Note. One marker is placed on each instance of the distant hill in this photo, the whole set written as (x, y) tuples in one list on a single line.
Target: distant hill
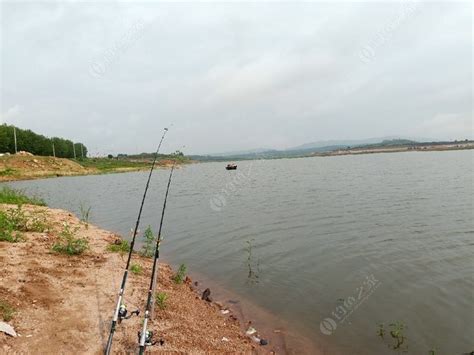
[(315, 148)]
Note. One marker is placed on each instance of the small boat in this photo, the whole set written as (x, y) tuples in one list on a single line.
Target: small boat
[(231, 167)]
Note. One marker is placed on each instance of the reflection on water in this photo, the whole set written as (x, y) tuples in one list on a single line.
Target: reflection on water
[(319, 228)]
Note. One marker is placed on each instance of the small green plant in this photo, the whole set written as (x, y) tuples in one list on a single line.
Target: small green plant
[(179, 277), (136, 269), (85, 214), (68, 242), (397, 334), (432, 352), (161, 299), (18, 197), (119, 246), (38, 222), (18, 218), (397, 337), (7, 229), (6, 311), (148, 243)]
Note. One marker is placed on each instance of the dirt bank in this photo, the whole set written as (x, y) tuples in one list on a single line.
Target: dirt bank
[(63, 304), (24, 167)]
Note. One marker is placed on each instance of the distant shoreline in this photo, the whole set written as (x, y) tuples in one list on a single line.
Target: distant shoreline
[(418, 147), (398, 149)]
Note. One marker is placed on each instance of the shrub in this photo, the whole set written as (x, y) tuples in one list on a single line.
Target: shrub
[(68, 242), (18, 197), (6, 311), (136, 269), (161, 299), (180, 275)]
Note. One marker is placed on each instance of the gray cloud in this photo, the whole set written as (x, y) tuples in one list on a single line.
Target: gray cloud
[(236, 76)]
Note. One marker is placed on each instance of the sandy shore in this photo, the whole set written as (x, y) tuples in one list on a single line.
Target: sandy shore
[(63, 304)]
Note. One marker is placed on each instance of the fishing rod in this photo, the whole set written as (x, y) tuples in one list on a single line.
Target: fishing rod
[(120, 309), (145, 336)]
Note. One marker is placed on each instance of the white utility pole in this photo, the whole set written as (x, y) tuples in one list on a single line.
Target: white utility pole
[(74, 149), (54, 151), (82, 151), (14, 135)]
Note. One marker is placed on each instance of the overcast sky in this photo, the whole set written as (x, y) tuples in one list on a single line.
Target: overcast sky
[(236, 76)]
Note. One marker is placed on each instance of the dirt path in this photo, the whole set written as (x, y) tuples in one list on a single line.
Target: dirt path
[(63, 304)]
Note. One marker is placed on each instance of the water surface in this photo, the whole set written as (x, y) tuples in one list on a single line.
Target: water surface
[(378, 238)]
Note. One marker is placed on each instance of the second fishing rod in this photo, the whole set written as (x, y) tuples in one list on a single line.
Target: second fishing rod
[(146, 336), (120, 310)]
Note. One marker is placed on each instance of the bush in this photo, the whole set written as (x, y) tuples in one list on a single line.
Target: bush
[(136, 269), (18, 197), (161, 299), (180, 275), (68, 242)]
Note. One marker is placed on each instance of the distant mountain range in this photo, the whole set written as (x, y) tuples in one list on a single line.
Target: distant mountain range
[(308, 148)]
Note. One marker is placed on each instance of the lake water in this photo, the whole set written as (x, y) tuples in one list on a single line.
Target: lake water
[(378, 238)]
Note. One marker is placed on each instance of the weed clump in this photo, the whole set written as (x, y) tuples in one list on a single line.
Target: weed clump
[(136, 269), (68, 242), (18, 197), (161, 300), (6, 311), (119, 246), (148, 244), (179, 277)]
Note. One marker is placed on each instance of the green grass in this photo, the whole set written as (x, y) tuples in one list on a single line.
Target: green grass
[(18, 197), (136, 269), (180, 275), (122, 247), (105, 164), (161, 299), (8, 172), (6, 311), (69, 243), (13, 221)]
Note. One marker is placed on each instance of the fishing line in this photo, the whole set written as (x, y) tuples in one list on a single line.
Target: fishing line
[(120, 309)]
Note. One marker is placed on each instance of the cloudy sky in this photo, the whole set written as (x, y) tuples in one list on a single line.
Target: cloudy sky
[(236, 76)]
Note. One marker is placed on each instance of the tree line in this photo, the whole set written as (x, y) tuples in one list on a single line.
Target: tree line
[(38, 144)]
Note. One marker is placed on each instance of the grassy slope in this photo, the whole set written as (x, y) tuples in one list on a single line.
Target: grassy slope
[(17, 197)]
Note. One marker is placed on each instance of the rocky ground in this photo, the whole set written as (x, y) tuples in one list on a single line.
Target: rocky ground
[(64, 304)]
